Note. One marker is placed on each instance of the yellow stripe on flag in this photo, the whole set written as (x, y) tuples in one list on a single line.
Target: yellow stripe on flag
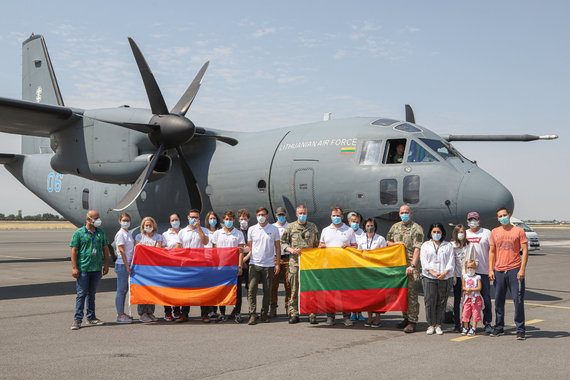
[(329, 258)]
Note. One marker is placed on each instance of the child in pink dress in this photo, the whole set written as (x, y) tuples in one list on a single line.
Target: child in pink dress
[(472, 301)]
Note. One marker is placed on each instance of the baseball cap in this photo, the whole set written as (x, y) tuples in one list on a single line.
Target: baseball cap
[(473, 215), (281, 211)]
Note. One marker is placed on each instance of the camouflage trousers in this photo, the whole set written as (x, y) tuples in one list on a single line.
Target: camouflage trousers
[(413, 304), (294, 283)]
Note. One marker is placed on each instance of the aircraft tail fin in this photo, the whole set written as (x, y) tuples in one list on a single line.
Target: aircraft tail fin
[(39, 85)]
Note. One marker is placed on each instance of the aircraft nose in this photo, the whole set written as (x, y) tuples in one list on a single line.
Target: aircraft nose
[(481, 192)]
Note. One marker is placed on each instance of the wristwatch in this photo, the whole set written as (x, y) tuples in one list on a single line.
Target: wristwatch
[(413, 265)]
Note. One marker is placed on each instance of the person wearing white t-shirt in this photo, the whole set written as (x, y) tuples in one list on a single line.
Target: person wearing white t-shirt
[(171, 239), (125, 250), (226, 237), (369, 241), (480, 239), (281, 215), (354, 223), (149, 236), (212, 223), (339, 235), (195, 236), (264, 241)]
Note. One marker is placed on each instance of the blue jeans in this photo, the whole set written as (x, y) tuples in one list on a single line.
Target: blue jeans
[(508, 280), (122, 287), (486, 295), (86, 286)]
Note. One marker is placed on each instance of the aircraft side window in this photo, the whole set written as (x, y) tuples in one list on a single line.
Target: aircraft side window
[(370, 154), (388, 191), (394, 151), (418, 153), (85, 199), (411, 189)]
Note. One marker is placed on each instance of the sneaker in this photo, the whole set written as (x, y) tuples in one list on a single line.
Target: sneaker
[(176, 315), (361, 317), (95, 322), (464, 331), (168, 317), (313, 319), (252, 320), (498, 332), (330, 321), (237, 318), (521, 336), (402, 324), (471, 332), (181, 318), (353, 317), (152, 317), (410, 328), (76, 325), (367, 324), (348, 322), (145, 318), (438, 330), (376, 325), (294, 319), (123, 318), (265, 318), (430, 330), (221, 318), (205, 319), (488, 329)]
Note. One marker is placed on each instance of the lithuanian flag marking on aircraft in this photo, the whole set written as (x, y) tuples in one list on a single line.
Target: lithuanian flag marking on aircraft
[(184, 276), (348, 150), (351, 280)]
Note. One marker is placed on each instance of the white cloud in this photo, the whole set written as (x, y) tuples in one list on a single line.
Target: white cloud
[(262, 32)]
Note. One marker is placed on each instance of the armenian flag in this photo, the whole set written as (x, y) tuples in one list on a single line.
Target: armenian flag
[(348, 150), (350, 280), (184, 276)]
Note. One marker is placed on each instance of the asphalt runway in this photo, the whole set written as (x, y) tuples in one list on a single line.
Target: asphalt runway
[(37, 297)]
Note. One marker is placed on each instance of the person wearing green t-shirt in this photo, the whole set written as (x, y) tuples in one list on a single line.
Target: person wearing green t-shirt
[(89, 255)]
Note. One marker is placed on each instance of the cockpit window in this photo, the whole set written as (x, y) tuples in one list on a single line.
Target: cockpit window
[(418, 153), (370, 154), (437, 146), (384, 122), (406, 127), (394, 151)]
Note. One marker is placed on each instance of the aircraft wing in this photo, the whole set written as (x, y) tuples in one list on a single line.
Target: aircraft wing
[(34, 119)]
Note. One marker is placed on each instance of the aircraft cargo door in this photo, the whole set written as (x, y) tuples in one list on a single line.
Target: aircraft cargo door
[(304, 188)]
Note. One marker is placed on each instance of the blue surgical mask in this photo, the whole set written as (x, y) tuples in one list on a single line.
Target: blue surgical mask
[(281, 219), (213, 222), (504, 220), (405, 217), (192, 221), (436, 237), (125, 225), (354, 226), (228, 223), (302, 218), (336, 219), (175, 224)]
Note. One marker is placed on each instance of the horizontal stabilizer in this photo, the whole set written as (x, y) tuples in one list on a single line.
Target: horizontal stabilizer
[(34, 119)]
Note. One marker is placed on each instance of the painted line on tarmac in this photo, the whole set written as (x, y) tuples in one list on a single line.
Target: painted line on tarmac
[(20, 257), (463, 338), (552, 306)]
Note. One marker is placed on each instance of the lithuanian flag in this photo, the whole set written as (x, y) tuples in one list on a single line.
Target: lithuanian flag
[(184, 276), (348, 150), (350, 280)]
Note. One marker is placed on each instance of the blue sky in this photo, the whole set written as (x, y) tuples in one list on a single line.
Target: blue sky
[(466, 67)]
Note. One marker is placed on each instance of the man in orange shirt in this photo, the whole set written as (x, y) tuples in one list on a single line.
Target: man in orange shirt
[(507, 269)]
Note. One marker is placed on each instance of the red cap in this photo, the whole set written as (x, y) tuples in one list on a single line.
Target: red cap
[(473, 215)]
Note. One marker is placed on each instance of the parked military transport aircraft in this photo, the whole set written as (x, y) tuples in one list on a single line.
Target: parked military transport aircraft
[(156, 162)]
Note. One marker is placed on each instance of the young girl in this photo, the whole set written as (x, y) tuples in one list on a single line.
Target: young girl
[(472, 300), (148, 236), (125, 250), (463, 251)]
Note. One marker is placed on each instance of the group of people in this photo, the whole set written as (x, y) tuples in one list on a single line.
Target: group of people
[(467, 263)]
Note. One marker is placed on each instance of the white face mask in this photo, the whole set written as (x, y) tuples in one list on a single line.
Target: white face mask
[(97, 222), (243, 224), (148, 229), (261, 219), (125, 225), (473, 223), (471, 272), (460, 236)]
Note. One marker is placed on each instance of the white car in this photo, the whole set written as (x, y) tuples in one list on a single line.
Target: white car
[(531, 236)]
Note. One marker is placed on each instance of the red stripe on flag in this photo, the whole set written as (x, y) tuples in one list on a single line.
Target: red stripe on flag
[(331, 301), (186, 257)]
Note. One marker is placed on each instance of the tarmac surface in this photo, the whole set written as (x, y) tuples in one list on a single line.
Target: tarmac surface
[(37, 297)]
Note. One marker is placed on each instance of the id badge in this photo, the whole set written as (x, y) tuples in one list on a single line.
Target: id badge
[(94, 251), (437, 261)]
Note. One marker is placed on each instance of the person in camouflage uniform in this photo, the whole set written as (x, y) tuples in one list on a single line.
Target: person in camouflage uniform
[(412, 236), (298, 235)]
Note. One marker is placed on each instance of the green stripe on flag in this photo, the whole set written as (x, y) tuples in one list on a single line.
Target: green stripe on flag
[(353, 278)]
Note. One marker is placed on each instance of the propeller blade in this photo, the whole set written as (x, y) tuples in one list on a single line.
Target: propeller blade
[(201, 132), (140, 127), (137, 187), (157, 104), (186, 100), (410, 118), (191, 183)]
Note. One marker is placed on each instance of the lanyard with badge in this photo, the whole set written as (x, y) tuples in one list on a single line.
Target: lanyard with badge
[(93, 237), (368, 245), (436, 261)]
